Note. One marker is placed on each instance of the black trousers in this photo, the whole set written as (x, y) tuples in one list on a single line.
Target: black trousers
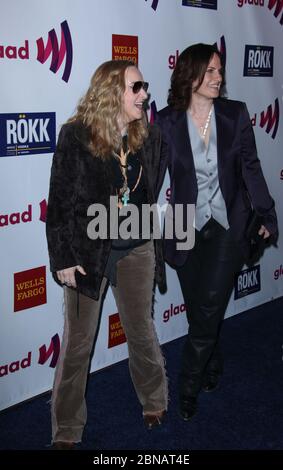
[(206, 280)]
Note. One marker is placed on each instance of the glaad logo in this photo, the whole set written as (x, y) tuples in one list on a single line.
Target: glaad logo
[(43, 210), (269, 119), (278, 273), (172, 59), (173, 311), (247, 282), (278, 4), (53, 349), (58, 54), (27, 134), (258, 61), (154, 4), (15, 366), (15, 218), (65, 51), (211, 4)]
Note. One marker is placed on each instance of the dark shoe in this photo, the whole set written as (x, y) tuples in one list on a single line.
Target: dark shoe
[(188, 408), (153, 420), (63, 445), (210, 382)]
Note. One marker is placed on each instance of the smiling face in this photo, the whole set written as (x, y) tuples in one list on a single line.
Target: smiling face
[(132, 106), (212, 80)]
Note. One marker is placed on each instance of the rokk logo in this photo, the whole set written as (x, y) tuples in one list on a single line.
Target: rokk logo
[(29, 288), (259, 3), (258, 61), (59, 53), (173, 311), (65, 51), (125, 47), (116, 334), (27, 134), (247, 282), (211, 4), (269, 119), (53, 350)]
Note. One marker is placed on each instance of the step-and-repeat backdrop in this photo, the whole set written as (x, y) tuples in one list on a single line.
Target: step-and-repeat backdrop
[(48, 52)]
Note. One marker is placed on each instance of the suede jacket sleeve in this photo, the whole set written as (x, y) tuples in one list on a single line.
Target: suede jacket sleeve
[(61, 202)]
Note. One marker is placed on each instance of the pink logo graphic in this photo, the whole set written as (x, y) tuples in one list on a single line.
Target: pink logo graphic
[(58, 54), (54, 350), (270, 118), (153, 112), (43, 210), (278, 4), (154, 4)]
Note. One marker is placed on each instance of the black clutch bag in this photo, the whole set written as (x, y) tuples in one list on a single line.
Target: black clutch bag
[(256, 241)]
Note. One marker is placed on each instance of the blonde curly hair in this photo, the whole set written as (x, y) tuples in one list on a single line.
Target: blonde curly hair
[(100, 109)]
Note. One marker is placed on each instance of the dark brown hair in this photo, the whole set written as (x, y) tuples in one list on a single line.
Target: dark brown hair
[(191, 65)]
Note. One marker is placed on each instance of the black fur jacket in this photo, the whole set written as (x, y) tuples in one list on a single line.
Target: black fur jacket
[(78, 179)]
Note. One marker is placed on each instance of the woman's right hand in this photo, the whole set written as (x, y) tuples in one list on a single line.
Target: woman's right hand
[(67, 276)]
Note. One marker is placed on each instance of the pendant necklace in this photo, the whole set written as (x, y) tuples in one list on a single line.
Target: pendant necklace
[(203, 129), (124, 193)]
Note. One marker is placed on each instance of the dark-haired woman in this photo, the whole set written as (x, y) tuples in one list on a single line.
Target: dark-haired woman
[(106, 150), (213, 164)]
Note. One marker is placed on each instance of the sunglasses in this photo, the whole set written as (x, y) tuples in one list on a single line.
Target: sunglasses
[(137, 86)]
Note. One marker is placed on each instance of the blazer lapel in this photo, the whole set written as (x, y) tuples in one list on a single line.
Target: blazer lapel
[(181, 139), (224, 130)]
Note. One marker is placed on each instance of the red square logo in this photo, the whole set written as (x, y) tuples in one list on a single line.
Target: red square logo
[(116, 333), (125, 48), (29, 288)]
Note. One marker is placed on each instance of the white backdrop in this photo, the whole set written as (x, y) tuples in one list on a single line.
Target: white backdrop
[(41, 83)]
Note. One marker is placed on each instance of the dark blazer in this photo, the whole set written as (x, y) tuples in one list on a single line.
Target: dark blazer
[(78, 179), (240, 175)]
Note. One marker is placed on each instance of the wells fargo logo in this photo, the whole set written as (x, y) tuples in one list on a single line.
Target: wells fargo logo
[(125, 47), (59, 53), (269, 119), (29, 288), (116, 334)]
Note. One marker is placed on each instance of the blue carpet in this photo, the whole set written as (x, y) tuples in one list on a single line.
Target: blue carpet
[(245, 412)]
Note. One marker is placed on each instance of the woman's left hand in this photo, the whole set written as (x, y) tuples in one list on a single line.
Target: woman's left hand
[(264, 232)]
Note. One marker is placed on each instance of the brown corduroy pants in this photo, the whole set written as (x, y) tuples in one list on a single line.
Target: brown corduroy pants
[(133, 295)]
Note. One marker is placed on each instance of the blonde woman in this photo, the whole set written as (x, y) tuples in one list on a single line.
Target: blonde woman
[(105, 150)]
